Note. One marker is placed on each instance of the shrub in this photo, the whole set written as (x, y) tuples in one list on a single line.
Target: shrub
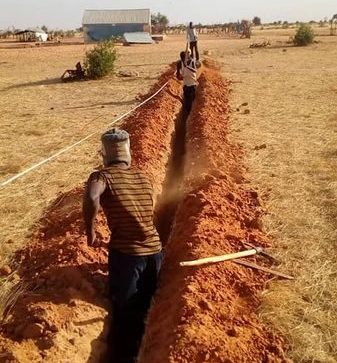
[(304, 35), (100, 61)]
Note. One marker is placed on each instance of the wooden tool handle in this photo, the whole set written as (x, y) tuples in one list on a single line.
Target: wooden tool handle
[(207, 260), (264, 269)]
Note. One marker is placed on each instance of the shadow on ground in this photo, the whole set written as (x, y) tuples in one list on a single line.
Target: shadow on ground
[(43, 82)]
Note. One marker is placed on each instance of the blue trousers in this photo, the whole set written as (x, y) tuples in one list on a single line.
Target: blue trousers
[(132, 283)]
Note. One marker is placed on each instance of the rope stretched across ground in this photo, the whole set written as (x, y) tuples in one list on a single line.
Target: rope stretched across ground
[(45, 161)]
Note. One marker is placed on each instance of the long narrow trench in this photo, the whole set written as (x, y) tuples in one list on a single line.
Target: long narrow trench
[(206, 314), (172, 188)]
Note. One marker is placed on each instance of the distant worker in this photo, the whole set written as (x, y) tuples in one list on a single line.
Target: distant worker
[(246, 29), (73, 74), (192, 37), (126, 197), (187, 72)]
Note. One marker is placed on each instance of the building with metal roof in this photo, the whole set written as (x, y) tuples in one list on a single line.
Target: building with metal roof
[(101, 25), (31, 35)]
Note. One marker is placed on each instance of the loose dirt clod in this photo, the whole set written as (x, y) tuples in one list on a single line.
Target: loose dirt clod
[(33, 331), (5, 270), (260, 147)]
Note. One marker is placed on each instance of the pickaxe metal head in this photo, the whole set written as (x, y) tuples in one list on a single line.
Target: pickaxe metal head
[(262, 252)]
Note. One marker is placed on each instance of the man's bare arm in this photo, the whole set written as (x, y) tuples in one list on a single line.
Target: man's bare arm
[(91, 203), (179, 69)]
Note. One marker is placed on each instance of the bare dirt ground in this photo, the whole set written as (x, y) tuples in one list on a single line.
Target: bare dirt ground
[(287, 131)]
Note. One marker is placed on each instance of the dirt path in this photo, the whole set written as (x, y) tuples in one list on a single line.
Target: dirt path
[(204, 314)]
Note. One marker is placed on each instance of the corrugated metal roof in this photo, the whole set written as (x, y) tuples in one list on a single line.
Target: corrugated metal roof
[(36, 30), (31, 30), (133, 16), (138, 38)]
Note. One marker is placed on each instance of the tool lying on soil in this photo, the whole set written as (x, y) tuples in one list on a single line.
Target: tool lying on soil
[(235, 257), (223, 258), (264, 269)]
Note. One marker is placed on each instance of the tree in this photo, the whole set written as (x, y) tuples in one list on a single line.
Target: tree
[(159, 21), (44, 28), (257, 20)]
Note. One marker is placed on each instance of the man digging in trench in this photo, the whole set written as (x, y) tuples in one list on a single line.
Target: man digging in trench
[(126, 197), (187, 72)]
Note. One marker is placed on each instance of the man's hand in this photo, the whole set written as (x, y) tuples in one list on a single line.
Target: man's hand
[(91, 238), (93, 241), (95, 187)]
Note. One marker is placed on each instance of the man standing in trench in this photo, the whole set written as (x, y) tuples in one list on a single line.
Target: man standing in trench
[(187, 72), (192, 37), (126, 197)]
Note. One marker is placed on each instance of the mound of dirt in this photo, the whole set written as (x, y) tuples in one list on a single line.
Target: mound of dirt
[(210, 313)]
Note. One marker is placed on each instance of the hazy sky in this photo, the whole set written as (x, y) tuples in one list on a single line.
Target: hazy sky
[(67, 14)]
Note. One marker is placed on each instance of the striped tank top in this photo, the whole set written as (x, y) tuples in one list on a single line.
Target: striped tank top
[(128, 205)]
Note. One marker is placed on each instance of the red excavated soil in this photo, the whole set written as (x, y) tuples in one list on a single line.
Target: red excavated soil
[(61, 315), (209, 313)]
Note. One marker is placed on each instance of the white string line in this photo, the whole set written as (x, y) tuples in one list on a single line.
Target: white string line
[(26, 171)]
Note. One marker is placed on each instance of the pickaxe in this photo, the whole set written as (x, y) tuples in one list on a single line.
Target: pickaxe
[(264, 253), (231, 256), (235, 257)]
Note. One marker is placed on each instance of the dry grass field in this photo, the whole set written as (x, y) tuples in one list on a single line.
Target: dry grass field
[(40, 115), (289, 136)]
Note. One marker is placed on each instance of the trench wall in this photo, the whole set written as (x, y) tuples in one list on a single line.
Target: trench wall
[(209, 313)]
